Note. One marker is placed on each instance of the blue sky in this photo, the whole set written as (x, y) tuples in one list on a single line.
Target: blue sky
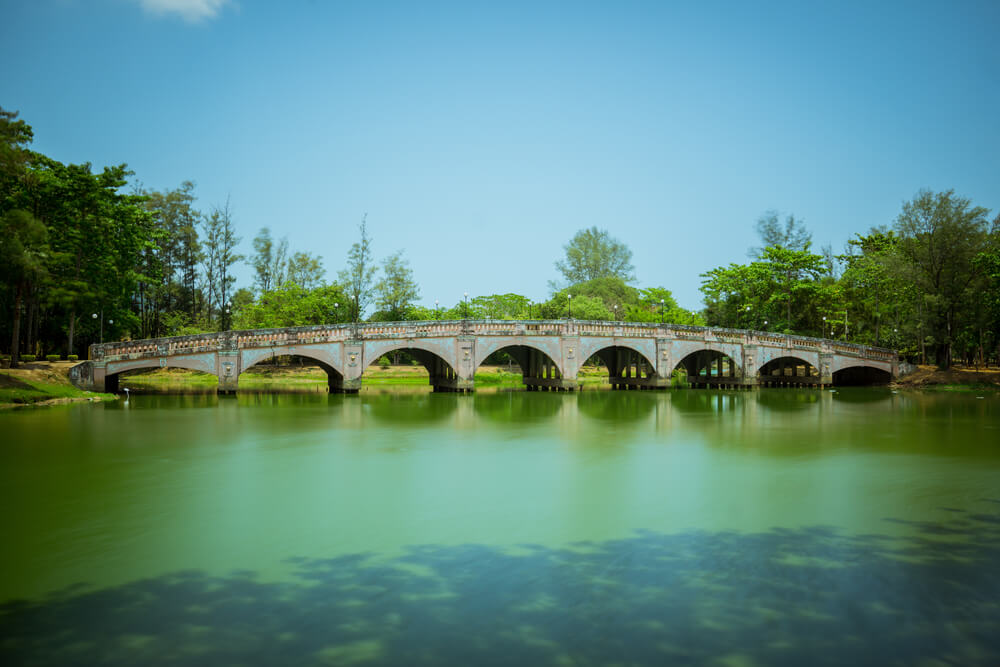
[(479, 137)]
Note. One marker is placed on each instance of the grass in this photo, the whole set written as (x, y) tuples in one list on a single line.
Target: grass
[(17, 389)]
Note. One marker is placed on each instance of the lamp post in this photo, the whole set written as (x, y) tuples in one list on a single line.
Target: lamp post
[(336, 312), (94, 316), (747, 311), (661, 310), (616, 312), (465, 303), (569, 303), (437, 312), (824, 326), (765, 325)]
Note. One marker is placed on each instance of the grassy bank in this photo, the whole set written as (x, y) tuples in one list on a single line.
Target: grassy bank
[(41, 383), (306, 378), (955, 379)]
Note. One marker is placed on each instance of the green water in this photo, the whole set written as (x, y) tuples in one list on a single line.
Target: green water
[(695, 527)]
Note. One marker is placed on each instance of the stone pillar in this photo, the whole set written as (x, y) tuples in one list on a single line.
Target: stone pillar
[(353, 364), (750, 359), (465, 369), (227, 368), (825, 364)]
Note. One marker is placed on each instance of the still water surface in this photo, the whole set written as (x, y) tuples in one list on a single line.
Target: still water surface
[(744, 528)]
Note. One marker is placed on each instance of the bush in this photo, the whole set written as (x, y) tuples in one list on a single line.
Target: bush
[(383, 362), (52, 357), (72, 357), (27, 357)]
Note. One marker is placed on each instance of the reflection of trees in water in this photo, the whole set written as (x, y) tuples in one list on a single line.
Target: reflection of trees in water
[(407, 408), (804, 596), (861, 394), (693, 401), (626, 408), (518, 406), (788, 400)]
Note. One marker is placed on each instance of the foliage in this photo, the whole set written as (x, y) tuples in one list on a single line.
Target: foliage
[(359, 276), (268, 261), (306, 270), (792, 235), (291, 306), (396, 291), (593, 253)]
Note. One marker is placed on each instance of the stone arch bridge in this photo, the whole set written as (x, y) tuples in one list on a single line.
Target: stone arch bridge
[(549, 352)]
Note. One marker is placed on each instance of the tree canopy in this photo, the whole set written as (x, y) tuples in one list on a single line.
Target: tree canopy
[(592, 254)]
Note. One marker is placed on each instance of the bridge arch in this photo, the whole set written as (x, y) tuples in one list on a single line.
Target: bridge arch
[(861, 375), (334, 378), (629, 367), (788, 370), (321, 356), (115, 370), (709, 367), (435, 358), (539, 370)]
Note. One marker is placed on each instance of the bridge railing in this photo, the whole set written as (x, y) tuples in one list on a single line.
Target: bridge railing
[(280, 337)]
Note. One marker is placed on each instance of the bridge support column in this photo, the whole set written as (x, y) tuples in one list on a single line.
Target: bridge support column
[(353, 364), (227, 367), (750, 358), (825, 372)]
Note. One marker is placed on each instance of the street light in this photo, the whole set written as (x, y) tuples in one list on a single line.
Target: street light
[(824, 326), (94, 316), (466, 304), (661, 310), (336, 312), (437, 314), (569, 302), (616, 312)]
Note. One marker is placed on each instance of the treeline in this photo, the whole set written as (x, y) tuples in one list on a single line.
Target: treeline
[(83, 257), (928, 285)]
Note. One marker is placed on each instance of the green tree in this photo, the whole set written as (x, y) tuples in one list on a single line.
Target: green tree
[(359, 277), (940, 235), (306, 270), (269, 261), (289, 306), (220, 257), (397, 290), (593, 253), (790, 235)]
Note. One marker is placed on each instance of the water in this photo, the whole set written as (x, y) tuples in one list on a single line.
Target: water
[(743, 528)]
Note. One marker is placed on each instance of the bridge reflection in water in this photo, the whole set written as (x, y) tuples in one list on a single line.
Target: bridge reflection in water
[(549, 352)]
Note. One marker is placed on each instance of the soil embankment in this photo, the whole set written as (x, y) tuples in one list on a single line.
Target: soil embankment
[(956, 378), (42, 383)]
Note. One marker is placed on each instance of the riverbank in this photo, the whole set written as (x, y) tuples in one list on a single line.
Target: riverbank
[(40, 384), (956, 378)]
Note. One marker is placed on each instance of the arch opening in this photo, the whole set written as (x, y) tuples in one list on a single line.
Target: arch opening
[(439, 373), (539, 372), (788, 371), (709, 368), (161, 380), (861, 376), (291, 373), (629, 369)]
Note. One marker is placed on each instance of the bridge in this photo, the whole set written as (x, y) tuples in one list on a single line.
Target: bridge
[(549, 352)]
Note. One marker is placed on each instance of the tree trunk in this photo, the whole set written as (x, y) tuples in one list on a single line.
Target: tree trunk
[(72, 331), (15, 339)]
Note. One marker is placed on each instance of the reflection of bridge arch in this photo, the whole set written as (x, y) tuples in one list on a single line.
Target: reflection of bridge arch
[(711, 368), (787, 371), (115, 370)]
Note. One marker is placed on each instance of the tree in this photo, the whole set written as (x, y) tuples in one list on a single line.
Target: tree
[(397, 290), (306, 270), (289, 305), (792, 235), (269, 261), (940, 235), (359, 276), (23, 249), (219, 258), (593, 253)]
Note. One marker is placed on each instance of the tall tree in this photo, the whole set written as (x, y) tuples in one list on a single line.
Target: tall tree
[(359, 276), (219, 258), (397, 290), (593, 253), (306, 270), (940, 236), (269, 261), (790, 235)]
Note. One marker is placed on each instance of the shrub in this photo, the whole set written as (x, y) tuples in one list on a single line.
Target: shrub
[(51, 357), (383, 362), (72, 357), (27, 357)]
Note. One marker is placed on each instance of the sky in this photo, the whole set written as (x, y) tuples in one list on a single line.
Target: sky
[(479, 137)]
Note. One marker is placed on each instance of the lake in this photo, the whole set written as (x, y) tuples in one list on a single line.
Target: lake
[(767, 527)]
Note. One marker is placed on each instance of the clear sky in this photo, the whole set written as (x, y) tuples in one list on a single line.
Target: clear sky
[(479, 137)]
